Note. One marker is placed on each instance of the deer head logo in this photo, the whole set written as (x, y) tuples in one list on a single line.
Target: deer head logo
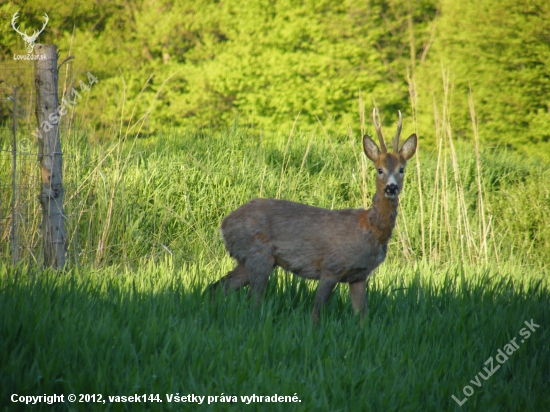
[(30, 40)]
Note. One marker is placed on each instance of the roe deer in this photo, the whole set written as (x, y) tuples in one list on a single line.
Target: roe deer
[(327, 245)]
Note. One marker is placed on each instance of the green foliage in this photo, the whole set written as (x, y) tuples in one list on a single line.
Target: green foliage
[(202, 63), (267, 61), (501, 51)]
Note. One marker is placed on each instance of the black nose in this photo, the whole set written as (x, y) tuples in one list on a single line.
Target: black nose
[(391, 189)]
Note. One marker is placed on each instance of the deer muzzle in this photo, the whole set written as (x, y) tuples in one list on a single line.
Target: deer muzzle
[(391, 190)]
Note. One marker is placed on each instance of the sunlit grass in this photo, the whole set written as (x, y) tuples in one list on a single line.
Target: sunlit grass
[(167, 195)]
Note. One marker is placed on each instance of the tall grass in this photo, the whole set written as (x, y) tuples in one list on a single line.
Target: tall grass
[(166, 195)]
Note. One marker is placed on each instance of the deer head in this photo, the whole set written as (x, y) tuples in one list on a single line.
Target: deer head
[(30, 40), (390, 167)]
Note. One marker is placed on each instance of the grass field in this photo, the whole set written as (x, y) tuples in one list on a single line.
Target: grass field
[(466, 268), (428, 334)]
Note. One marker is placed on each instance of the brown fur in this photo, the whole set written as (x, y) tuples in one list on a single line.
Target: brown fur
[(331, 246)]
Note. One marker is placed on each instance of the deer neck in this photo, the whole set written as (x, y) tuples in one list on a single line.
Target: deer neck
[(382, 217)]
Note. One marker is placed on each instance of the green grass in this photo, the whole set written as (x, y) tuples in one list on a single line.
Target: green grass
[(429, 332), (465, 269), (167, 196)]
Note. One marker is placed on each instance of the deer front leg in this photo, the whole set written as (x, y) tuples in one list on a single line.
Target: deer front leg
[(358, 296), (325, 288), (259, 266)]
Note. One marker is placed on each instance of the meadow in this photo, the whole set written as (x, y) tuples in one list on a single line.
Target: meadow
[(467, 267), (194, 115)]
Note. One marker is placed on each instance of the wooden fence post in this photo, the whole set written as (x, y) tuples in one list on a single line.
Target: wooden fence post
[(50, 156)]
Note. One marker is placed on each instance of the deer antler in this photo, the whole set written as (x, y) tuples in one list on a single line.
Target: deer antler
[(37, 33), (378, 128), (13, 20), (396, 139), (44, 25), (32, 38)]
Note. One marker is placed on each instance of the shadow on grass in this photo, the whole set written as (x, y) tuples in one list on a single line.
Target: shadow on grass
[(427, 337)]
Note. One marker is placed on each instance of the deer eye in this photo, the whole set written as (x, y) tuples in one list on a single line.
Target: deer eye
[(380, 171), (401, 170)]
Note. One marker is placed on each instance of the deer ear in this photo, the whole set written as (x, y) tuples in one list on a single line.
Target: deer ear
[(371, 150), (409, 147)]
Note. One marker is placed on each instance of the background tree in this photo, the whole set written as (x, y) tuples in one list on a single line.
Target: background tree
[(202, 63)]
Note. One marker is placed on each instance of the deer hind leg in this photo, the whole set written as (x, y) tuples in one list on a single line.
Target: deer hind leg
[(259, 266), (235, 279)]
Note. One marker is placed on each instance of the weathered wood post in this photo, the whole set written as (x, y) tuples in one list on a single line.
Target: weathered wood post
[(50, 156)]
